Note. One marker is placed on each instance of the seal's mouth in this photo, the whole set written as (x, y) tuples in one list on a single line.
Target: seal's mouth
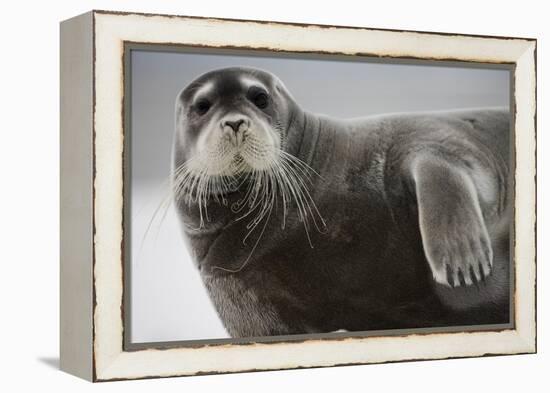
[(263, 179), (237, 140)]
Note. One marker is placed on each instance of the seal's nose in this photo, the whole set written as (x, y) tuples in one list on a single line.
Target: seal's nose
[(234, 124)]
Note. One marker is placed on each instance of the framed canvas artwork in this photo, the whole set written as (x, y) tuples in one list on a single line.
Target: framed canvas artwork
[(247, 195)]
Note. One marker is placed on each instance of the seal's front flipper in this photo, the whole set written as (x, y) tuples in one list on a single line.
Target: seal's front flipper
[(454, 235)]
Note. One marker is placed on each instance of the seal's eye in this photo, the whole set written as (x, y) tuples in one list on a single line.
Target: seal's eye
[(259, 98), (203, 106)]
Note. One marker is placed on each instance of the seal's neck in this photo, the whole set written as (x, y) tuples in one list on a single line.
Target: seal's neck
[(303, 132)]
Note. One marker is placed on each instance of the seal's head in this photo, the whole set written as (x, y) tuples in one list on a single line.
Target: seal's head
[(232, 120), (232, 134)]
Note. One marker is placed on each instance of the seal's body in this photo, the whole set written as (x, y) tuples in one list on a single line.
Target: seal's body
[(415, 206)]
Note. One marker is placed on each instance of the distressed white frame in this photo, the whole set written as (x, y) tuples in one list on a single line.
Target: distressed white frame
[(111, 30)]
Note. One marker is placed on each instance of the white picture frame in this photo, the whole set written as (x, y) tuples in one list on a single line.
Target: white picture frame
[(92, 195)]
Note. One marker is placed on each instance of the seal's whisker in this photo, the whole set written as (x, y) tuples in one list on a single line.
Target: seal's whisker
[(282, 178), (196, 184), (299, 162), (240, 268), (291, 159), (304, 171), (309, 199), (163, 205), (300, 201), (171, 184), (269, 197), (305, 202), (282, 186), (241, 203), (165, 200)]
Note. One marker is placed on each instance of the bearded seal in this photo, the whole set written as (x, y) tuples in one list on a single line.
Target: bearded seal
[(301, 223)]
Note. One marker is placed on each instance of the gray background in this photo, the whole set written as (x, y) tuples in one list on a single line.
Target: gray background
[(168, 301)]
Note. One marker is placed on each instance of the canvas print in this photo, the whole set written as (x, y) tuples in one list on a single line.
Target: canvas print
[(280, 196)]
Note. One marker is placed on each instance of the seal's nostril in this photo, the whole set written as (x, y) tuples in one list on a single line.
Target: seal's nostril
[(235, 125)]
